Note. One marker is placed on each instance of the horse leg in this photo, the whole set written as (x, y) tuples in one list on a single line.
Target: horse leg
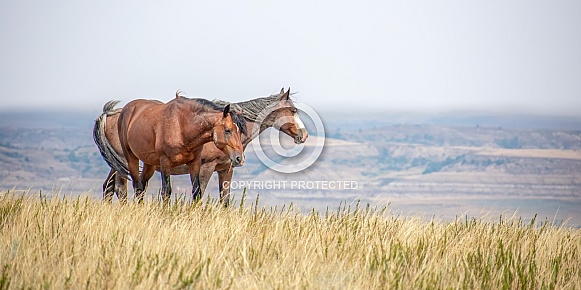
[(225, 177), (146, 174), (194, 166), (121, 188), (206, 171), (166, 188), (165, 169), (109, 187), (133, 166)]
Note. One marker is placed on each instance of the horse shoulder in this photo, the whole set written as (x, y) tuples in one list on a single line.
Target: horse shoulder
[(170, 132)]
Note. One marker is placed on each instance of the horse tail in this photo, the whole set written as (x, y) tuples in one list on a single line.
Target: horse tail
[(109, 108), (114, 160)]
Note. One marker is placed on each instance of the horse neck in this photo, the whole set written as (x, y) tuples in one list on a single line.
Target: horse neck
[(250, 111), (254, 129), (203, 125)]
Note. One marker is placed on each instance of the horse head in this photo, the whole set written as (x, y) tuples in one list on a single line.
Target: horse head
[(227, 135), (285, 117)]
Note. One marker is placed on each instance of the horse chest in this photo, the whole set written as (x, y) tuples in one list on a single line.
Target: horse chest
[(180, 154), (223, 164), (181, 158)]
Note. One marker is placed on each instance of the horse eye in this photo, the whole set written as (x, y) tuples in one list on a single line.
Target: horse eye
[(228, 131)]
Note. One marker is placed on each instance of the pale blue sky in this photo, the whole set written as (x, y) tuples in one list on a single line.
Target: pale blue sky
[(507, 56)]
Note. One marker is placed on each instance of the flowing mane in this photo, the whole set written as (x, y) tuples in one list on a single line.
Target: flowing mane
[(255, 109)]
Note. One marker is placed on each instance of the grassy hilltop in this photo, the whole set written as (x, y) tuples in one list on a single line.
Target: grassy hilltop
[(60, 243)]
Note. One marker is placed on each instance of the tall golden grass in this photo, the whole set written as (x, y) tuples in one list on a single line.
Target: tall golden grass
[(66, 243)]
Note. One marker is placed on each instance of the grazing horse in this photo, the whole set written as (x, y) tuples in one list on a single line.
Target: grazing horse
[(276, 111), (168, 135)]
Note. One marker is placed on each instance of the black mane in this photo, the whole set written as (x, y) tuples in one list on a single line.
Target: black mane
[(239, 120), (236, 118)]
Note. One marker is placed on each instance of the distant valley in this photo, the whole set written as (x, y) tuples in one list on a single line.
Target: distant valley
[(431, 169)]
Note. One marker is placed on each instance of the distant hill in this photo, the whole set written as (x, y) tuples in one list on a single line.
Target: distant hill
[(332, 119), (413, 165)]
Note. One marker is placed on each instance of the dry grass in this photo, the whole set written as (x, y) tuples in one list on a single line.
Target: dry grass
[(60, 243)]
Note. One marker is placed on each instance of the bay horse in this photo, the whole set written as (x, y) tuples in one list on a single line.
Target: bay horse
[(276, 111), (169, 135)]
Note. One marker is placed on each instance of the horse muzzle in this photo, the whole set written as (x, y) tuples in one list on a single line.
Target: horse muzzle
[(237, 160), (301, 137)]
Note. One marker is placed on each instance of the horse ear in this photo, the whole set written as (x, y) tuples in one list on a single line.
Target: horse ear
[(226, 110), (285, 96), (281, 91)]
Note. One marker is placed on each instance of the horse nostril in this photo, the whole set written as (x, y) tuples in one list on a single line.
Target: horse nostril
[(238, 159)]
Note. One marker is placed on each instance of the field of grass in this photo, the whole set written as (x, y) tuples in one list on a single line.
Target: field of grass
[(66, 243)]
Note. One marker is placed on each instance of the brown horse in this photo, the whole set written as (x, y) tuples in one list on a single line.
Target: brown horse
[(276, 111), (273, 111), (169, 135)]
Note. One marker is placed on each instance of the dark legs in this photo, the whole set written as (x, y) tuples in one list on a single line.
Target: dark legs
[(166, 187), (133, 166), (140, 185), (224, 178), (194, 166), (165, 168), (196, 189), (206, 171)]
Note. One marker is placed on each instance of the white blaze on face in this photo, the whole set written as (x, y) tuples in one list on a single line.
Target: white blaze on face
[(298, 121)]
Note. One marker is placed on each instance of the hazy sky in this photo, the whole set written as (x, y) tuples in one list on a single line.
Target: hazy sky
[(515, 56)]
